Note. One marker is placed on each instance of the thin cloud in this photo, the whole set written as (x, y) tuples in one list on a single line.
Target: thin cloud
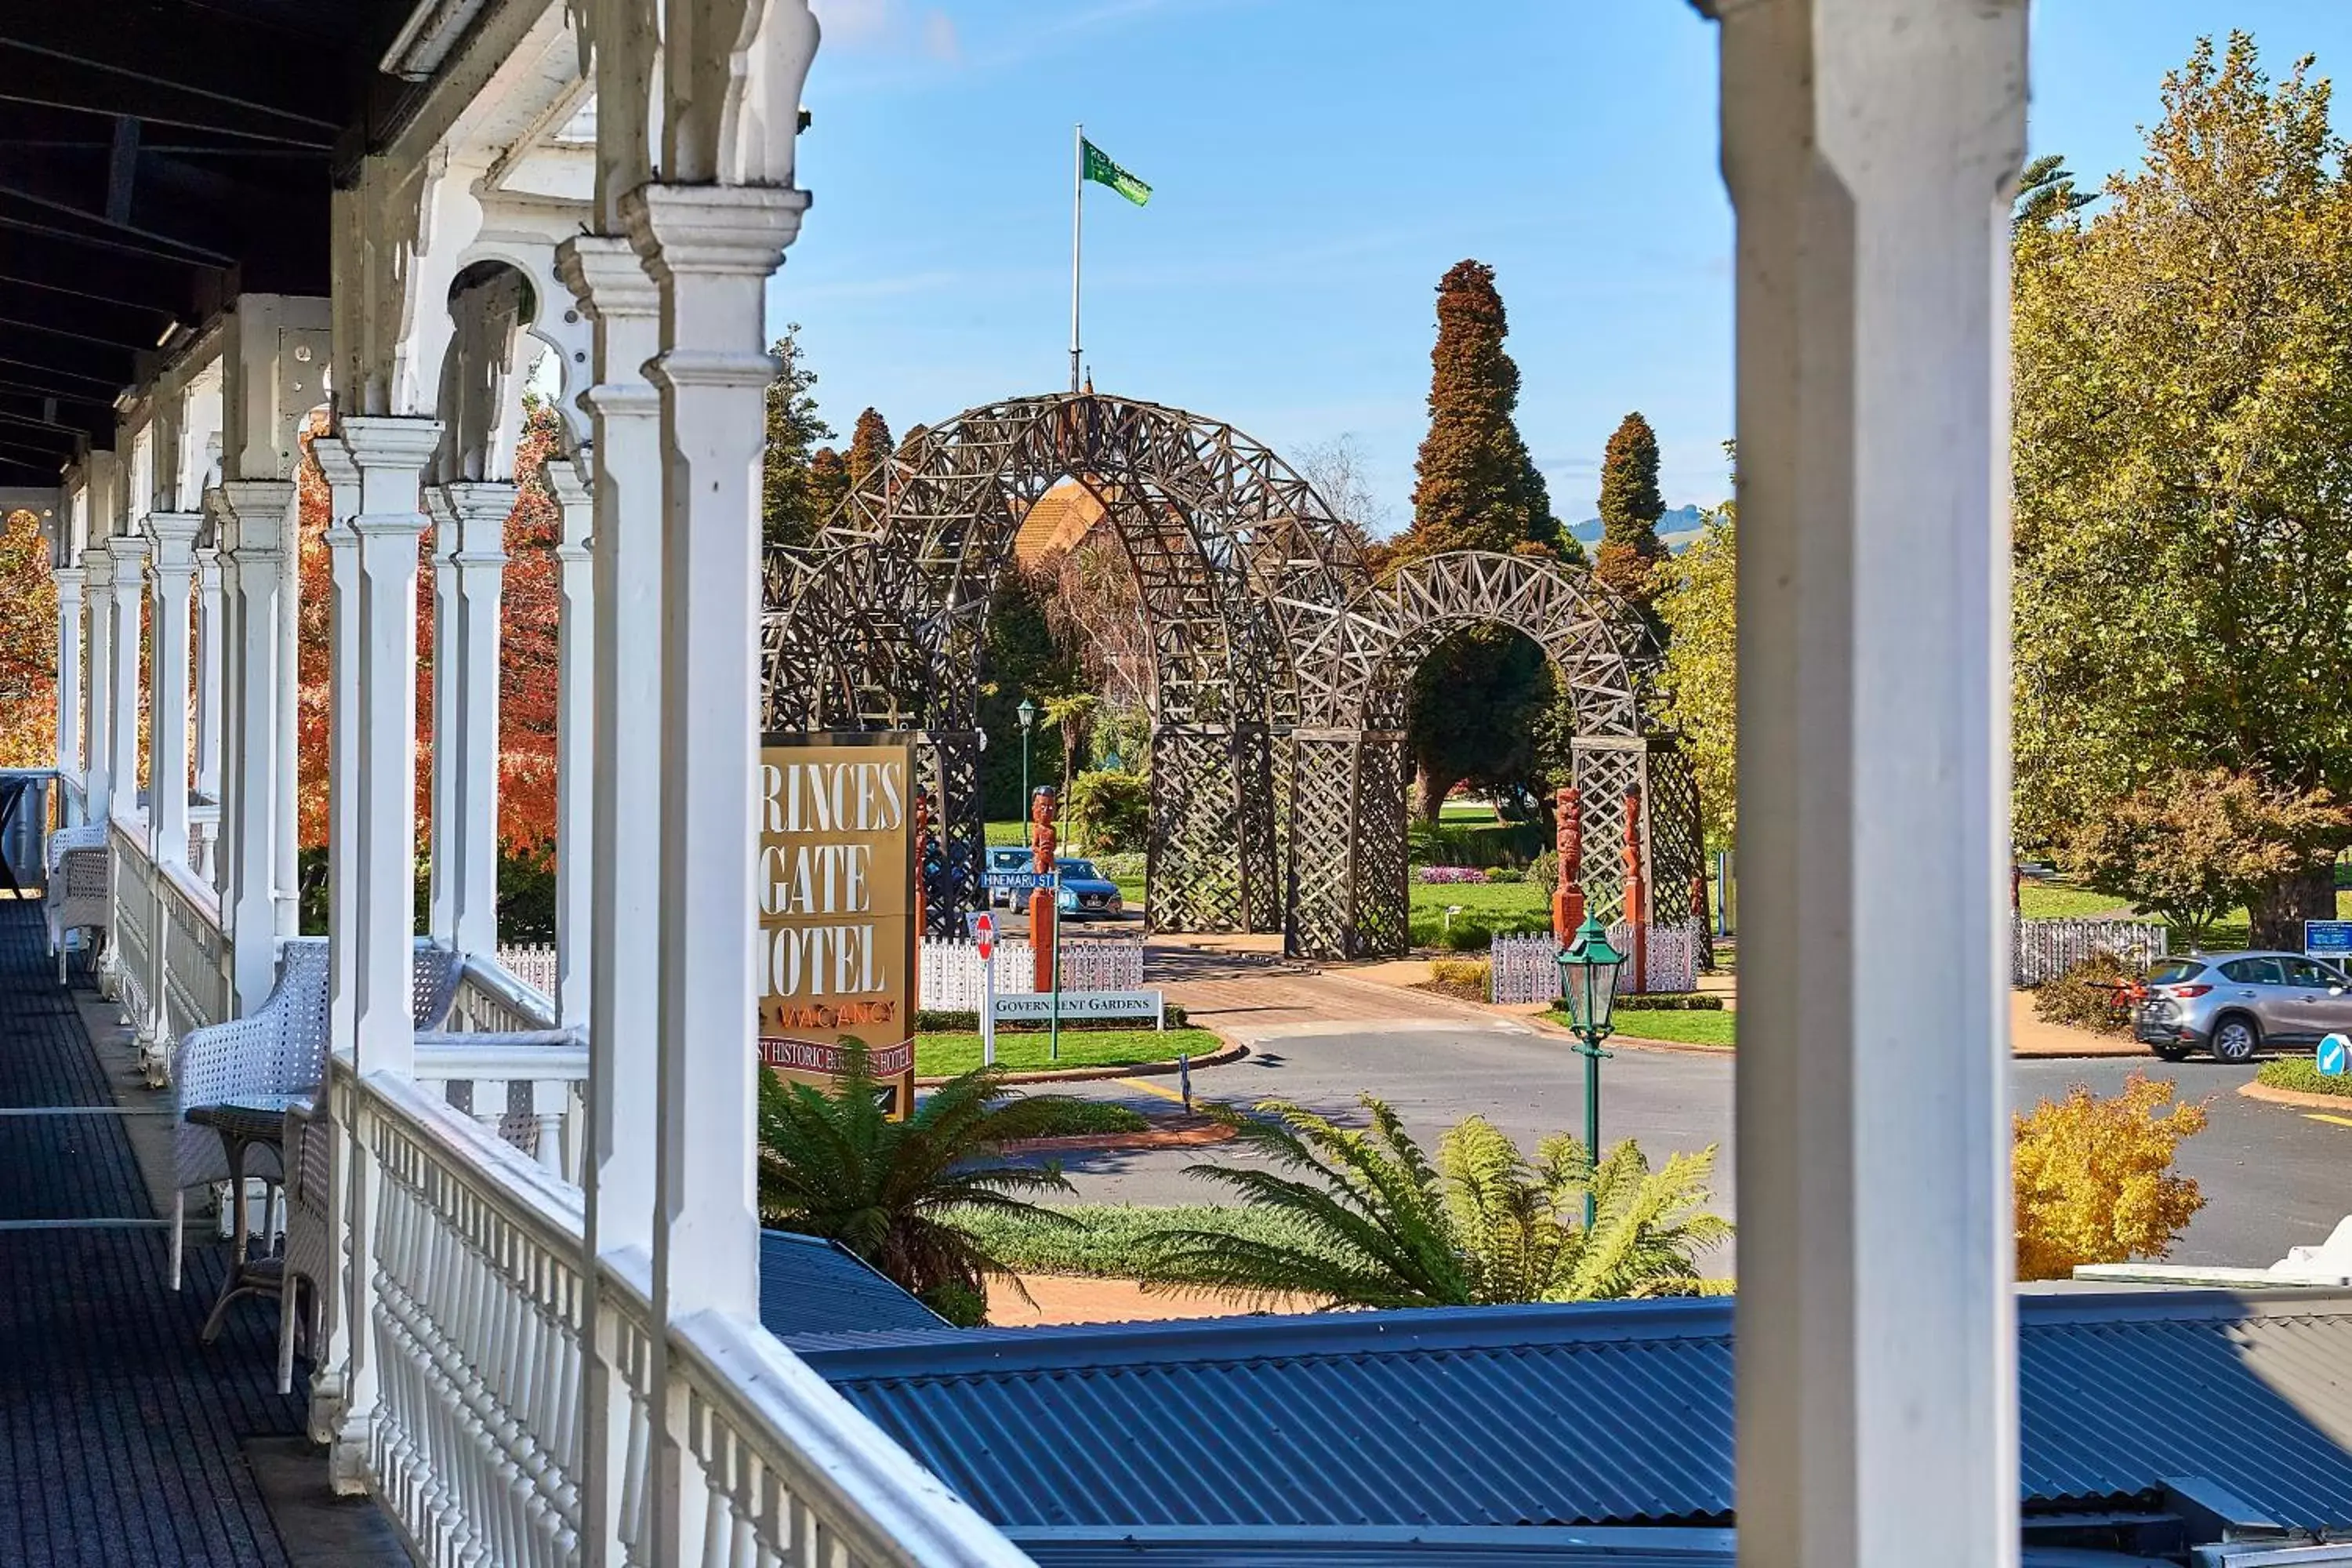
[(890, 28)]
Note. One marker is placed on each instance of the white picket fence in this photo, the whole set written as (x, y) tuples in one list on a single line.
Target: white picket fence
[(533, 963), (2045, 950), (950, 971), (1527, 968)]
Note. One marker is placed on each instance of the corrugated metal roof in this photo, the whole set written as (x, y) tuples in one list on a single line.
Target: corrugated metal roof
[(1615, 1414), (809, 1284)]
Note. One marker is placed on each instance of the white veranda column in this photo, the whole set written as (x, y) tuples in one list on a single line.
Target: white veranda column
[(625, 859), (68, 580), (442, 832), (344, 786), (711, 249), (130, 588), (575, 738), (97, 742), (1871, 148), (250, 516), (285, 809), (465, 736), (390, 453), (208, 673), (173, 535)]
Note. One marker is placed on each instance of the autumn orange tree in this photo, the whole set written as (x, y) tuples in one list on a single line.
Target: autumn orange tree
[(29, 645), (2094, 1180)]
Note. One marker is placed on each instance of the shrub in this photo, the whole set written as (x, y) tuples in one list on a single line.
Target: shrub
[(1472, 979), (1544, 869), (2303, 1075), (2093, 1177), (1505, 874), (1123, 865), (1447, 876), (1670, 1002), (2077, 998), (1108, 812)]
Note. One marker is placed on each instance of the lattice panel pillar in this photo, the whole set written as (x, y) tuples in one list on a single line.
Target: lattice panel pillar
[(949, 761), (1255, 812), (1606, 771), (1673, 837), (1198, 870), (1348, 896)]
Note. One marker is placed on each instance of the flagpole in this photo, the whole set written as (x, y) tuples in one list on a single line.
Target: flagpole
[(1078, 210)]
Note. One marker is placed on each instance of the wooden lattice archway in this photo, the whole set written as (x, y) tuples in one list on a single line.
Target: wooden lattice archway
[(879, 622), (1348, 766)]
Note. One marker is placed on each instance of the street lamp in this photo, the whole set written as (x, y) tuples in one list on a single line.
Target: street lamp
[(1027, 714), (1588, 984)]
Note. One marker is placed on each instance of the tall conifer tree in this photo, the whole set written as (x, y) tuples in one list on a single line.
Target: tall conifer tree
[(870, 447), (791, 506), (1629, 509), (1476, 698)]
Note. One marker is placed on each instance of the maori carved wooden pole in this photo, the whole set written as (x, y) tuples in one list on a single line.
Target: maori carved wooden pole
[(1042, 899), (1568, 897), (1636, 910)]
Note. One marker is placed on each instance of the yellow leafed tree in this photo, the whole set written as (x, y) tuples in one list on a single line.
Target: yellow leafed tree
[(2095, 1178)]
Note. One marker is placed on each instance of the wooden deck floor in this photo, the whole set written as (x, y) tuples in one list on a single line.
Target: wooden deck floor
[(120, 1435)]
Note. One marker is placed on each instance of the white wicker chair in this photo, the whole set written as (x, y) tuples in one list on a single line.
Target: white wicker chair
[(81, 886), (308, 1275), (279, 1048)]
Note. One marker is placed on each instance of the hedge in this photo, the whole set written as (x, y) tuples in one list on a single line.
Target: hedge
[(966, 1021)]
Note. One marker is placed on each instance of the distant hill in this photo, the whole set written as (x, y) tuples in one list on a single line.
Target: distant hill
[(1678, 530)]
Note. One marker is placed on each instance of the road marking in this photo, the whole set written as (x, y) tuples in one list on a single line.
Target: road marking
[(2323, 1116), (1150, 1088)]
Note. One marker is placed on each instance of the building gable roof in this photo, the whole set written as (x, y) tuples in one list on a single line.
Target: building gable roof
[(1606, 1415)]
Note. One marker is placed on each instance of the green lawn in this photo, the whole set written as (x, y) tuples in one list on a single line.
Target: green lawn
[(1488, 910), (1466, 810), (1685, 1028), (1106, 1239), (2063, 901), (945, 1054)]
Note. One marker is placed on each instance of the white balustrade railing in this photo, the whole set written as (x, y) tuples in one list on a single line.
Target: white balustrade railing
[(195, 956), (536, 1095), (532, 962), (792, 1472), (476, 1311), (472, 1430), (204, 837), (131, 949)]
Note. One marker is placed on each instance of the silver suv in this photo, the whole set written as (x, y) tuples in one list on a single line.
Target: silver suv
[(2233, 1003)]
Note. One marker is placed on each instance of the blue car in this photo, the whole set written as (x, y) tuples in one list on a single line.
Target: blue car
[(1008, 857), (1086, 893)]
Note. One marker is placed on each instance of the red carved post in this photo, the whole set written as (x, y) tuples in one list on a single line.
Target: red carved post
[(1635, 909), (1568, 897), (1041, 900)]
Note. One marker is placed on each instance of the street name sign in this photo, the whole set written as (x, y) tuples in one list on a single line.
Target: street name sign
[(1019, 882), (1037, 1007)]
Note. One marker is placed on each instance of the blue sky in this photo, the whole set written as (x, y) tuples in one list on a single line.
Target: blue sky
[(1316, 165)]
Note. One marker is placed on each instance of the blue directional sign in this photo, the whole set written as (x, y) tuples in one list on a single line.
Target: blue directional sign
[(2327, 939), (2334, 1055), (1019, 881)]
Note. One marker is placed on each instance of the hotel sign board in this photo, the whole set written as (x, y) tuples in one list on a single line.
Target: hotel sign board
[(837, 899)]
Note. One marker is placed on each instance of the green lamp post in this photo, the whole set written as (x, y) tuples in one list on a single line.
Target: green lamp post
[(1588, 986), (1027, 714)]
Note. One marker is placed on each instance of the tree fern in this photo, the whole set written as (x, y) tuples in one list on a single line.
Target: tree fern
[(832, 1164), (1380, 1225)]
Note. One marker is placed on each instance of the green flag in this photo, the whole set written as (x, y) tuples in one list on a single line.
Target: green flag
[(1103, 172)]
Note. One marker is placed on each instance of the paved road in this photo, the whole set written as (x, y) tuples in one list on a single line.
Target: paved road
[(2273, 1177)]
